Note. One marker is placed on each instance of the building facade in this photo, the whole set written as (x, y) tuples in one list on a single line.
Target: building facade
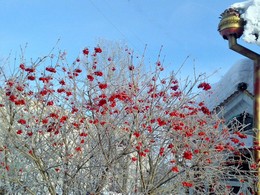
[(233, 98)]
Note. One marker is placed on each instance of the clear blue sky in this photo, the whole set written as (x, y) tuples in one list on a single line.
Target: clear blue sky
[(183, 27)]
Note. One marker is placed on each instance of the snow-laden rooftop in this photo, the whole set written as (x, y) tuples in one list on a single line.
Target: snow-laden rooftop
[(242, 71), (251, 14)]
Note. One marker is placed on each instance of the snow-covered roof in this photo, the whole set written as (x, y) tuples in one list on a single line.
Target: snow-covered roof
[(242, 71), (251, 14)]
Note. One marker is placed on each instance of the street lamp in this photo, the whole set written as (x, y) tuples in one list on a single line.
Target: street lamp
[(231, 27)]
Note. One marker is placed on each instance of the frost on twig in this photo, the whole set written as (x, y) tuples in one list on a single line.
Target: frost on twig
[(105, 124)]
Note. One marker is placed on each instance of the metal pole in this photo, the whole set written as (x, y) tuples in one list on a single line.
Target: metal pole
[(257, 115), (241, 49), (256, 57)]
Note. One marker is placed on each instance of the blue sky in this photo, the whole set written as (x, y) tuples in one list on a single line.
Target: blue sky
[(183, 27)]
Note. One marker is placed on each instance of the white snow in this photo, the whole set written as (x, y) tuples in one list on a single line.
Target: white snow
[(242, 71), (251, 14)]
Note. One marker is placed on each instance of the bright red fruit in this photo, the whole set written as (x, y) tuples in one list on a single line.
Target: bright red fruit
[(19, 132), (85, 51), (187, 155), (98, 50), (51, 69)]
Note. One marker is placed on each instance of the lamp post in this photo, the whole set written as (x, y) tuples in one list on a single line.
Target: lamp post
[(231, 28)]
